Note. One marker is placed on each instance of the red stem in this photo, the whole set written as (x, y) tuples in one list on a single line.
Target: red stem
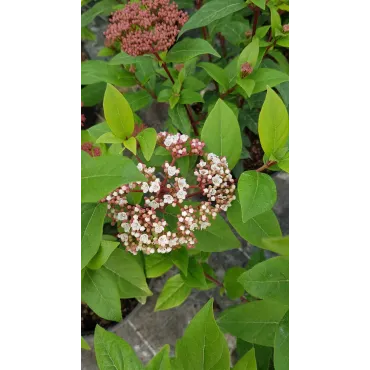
[(227, 92), (257, 12), (266, 166)]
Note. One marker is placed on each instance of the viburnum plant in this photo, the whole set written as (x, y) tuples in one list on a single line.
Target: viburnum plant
[(152, 201)]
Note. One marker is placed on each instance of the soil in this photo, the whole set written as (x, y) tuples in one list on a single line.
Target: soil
[(89, 319), (255, 151)]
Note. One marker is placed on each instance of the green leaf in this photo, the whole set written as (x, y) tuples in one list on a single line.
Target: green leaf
[(93, 94), (118, 113), (86, 34), (101, 175), (254, 230), (203, 346), (174, 293), (144, 69), (164, 95), (260, 3), (157, 264), (247, 84), (212, 11), (275, 21), (249, 54), (234, 31), (247, 362), (284, 163), (109, 138), (105, 250), (262, 31), (217, 73), (138, 100), (180, 257), (130, 275), (99, 290), (232, 71), (216, 238), (147, 140), (180, 119), (233, 288), (112, 352), (190, 97), (279, 245), (221, 133), (84, 344), (93, 71), (265, 77), (161, 361), (183, 164), (284, 42), (106, 52), (257, 193), (130, 144), (281, 345), (92, 220), (273, 124), (189, 48), (99, 129), (124, 59), (254, 322), (193, 83), (195, 277), (99, 8), (174, 99), (268, 280)]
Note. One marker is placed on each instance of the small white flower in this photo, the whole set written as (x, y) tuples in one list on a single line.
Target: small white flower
[(108, 198), (217, 180), (169, 140), (135, 226), (204, 225), (126, 227), (145, 187), (181, 182), (140, 166), (224, 207), (184, 138), (123, 237), (121, 216), (193, 226), (202, 163), (154, 186), (158, 229), (162, 240), (150, 169), (214, 167), (173, 242), (212, 191), (171, 170), (181, 194), (203, 172), (154, 205), (144, 238), (122, 202), (168, 199), (182, 240)]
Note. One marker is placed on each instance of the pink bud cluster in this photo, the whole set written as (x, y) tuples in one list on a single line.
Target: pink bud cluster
[(145, 27), (246, 69), (89, 149), (143, 228), (286, 27)]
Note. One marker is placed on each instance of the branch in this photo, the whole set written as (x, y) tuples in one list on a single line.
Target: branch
[(266, 166), (257, 12), (227, 92)]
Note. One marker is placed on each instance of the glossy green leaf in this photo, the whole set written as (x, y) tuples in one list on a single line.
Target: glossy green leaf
[(99, 290), (112, 352), (234, 31), (99, 129), (284, 163), (101, 175), (174, 293), (105, 6), (123, 59), (247, 362), (212, 11), (161, 361), (105, 250), (221, 133), (130, 144), (216, 238), (129, 273), (92, 220), (180, 119), (255, 322), (257, 193), (249, 54), (147, 140), (106, 52), (247, 84), (216, 72), (273, 124), (254, 230), (174, 99), (262, 31), (93, 94), (138, 99), (84, 344), (265, 77), (180, 257), (86, 34), (232, 71), (275, 20), (188, 49), (93, 71), (157, 264), (109, 138), (281, 345), (164, 95), (284, 42), (144, 69), (193, 83), (190, 97), (279, 245), (260, 3), (195, 276), (268, 280), (233, 288), (118, 113), (203, 346)]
